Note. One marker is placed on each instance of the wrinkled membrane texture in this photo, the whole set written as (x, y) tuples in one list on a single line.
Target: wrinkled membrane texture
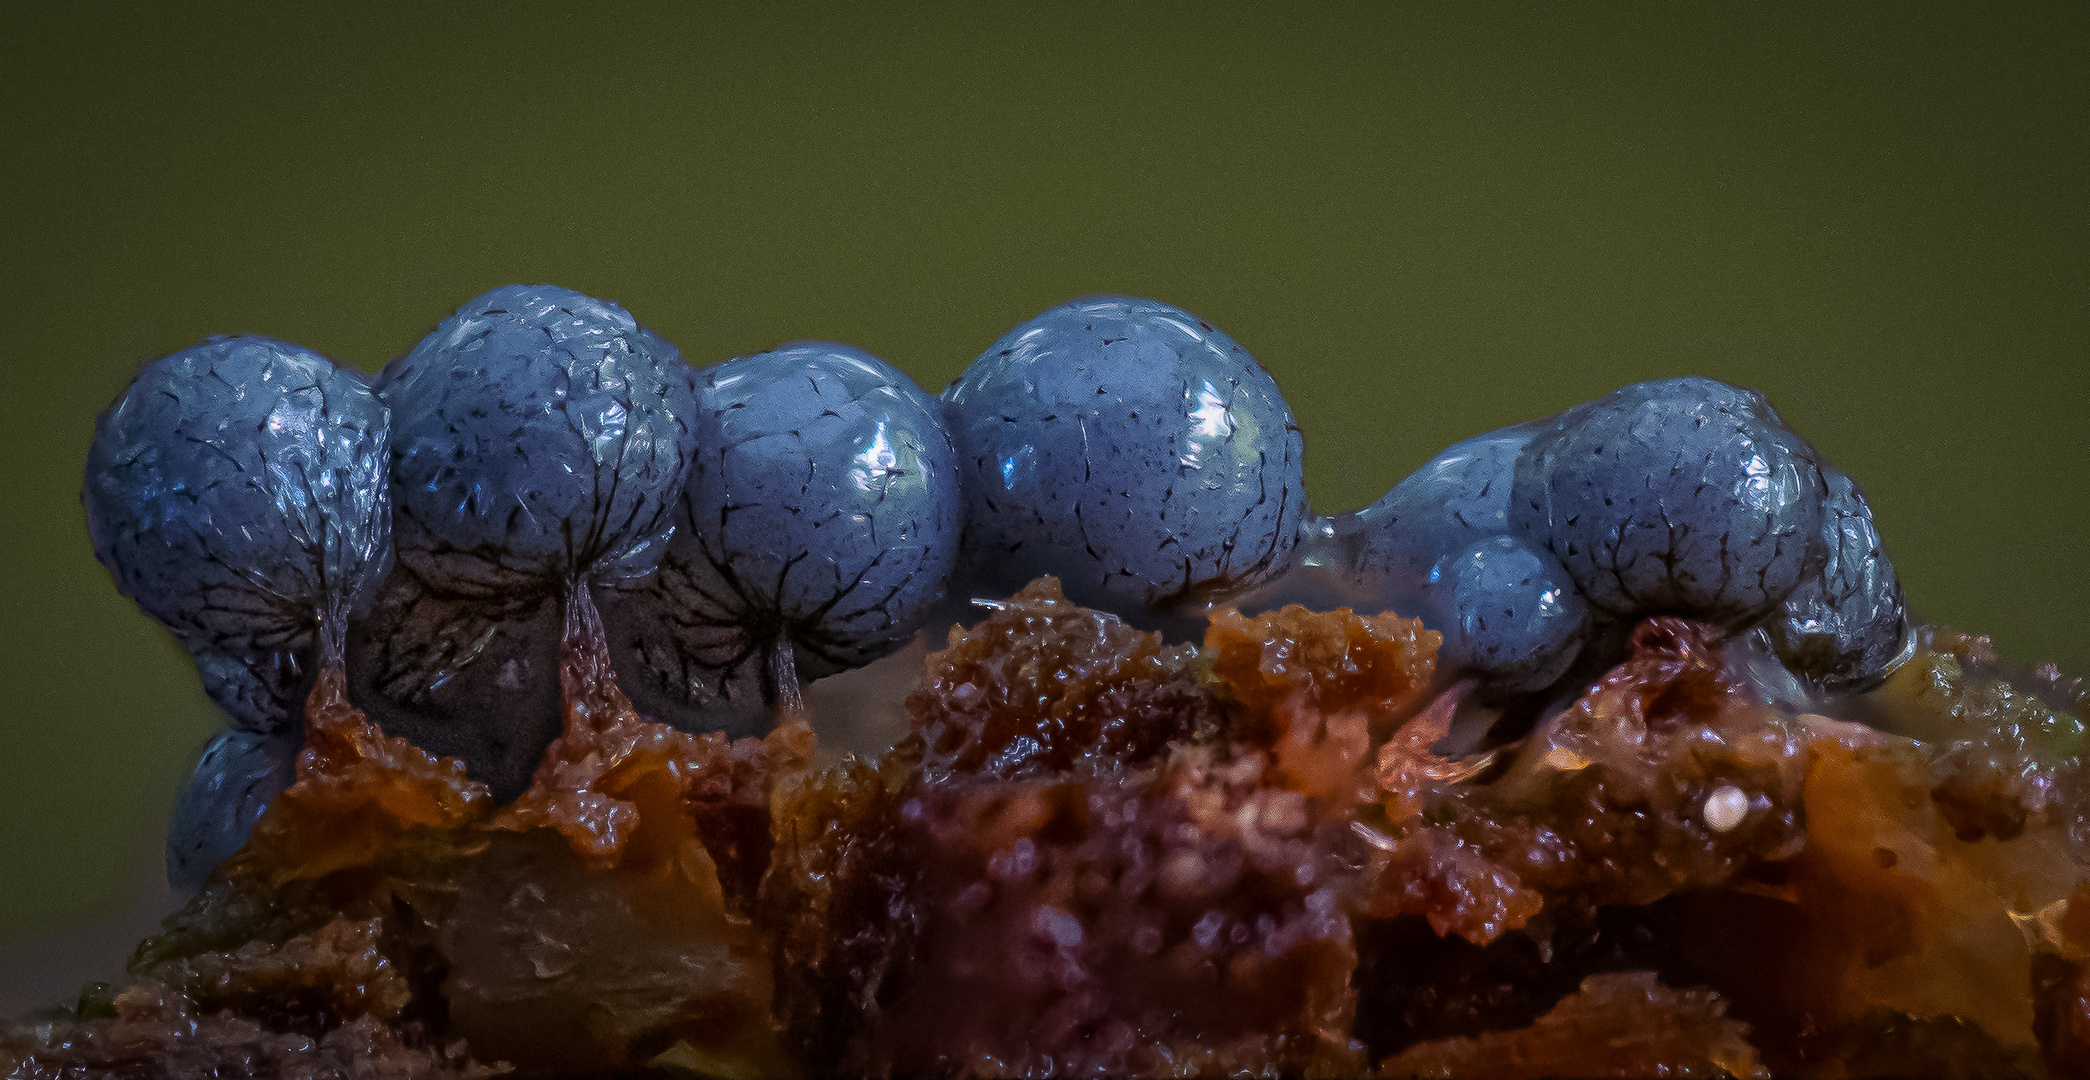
[(1087, 818), (1438, 544), (540, 439), (237, 490), (540, 436), (1846, 626), (1508, 612), (822, 515), (472, 678), (1455, 500), (262, 694), (1680, 496), (1133, 451), (236, 777)]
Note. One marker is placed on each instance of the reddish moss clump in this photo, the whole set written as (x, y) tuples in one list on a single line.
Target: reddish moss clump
[(312, 982), (1043, 685), (1670, 814), (155, 1033), (228, 992), (1117, 871), (1331, 661), (1309, 688), (598, 922), (614, 780), (1121, 926), (1623, 1024), (609, 918), (1186, 919), (1097, 853), (1604, 803), (840, 903)]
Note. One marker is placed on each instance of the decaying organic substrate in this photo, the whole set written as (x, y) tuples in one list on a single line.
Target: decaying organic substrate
[(1296, 850)]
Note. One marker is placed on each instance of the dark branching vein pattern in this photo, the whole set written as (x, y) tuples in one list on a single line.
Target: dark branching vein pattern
[(539, 440), (237, 491), (800, 512), (1675, 497), (821, 517), (1844, 626), (1131, 449)]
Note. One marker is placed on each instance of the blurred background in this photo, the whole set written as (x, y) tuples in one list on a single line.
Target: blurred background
[(1426, 222)]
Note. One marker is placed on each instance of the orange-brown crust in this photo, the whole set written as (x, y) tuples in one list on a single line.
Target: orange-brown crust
[(1286, 851)]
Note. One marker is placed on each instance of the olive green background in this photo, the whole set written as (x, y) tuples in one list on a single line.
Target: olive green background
[(1426, 222)]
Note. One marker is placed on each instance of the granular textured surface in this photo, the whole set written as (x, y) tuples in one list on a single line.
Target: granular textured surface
[(1294, 850), (1336, 661), (1131, 924), (612, 774), (2061, 988), (1043, 685), (358, 792), (1603, 804), (1122, 900), (155, 1033), (387, 919), (1623, 1025)]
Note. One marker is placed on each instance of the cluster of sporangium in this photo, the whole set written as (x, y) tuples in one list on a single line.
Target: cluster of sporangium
[(800, 512)]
